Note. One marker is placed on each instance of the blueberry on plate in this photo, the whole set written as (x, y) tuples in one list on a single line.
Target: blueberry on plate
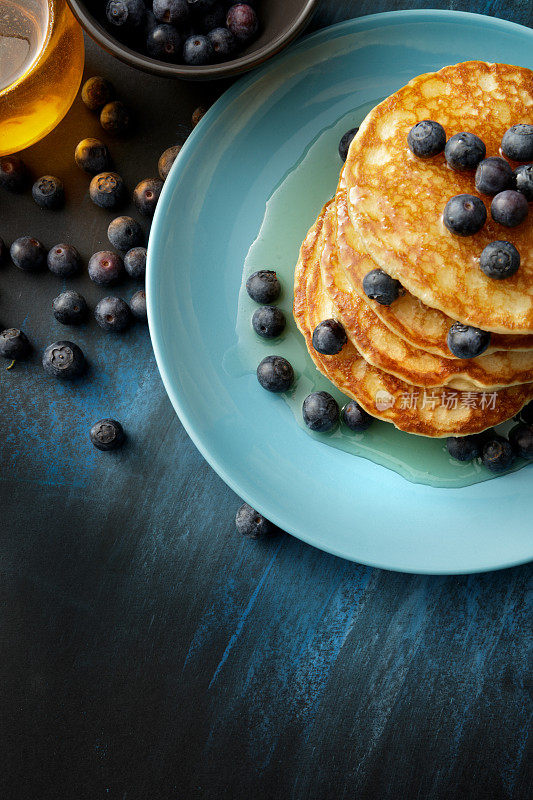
[(466, 341), (14, 344), (49, 192), (172, 12), (499, 260), (242, 22), (521, 440), (125, 14), (263, 286), (524, 180), (112, 314), (198, 51), (250, 523), (223, 43), (197, 115), (164, 43), (64, 360), (464, 151), (493, 175), (329, 337), (115, 117), (146, 195), (268, 322), (14, 175), (526, 415), (64, 260), (107, 434), (427, 138), (106, 268), (517, 143), (498, 454), (275, 374), (464, 448), (138, 306), (70, 308), (97, 92), (135, 262), (107, 190), (509, 208), (320, 412), (379, 286), (92, 156), (166, 160), (345, 142), (464, 214), (28, 254), (124, 233), (355, 417)]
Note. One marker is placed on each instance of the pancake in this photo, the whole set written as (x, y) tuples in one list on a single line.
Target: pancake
[(384, 349), (442, 412), (396, 199)]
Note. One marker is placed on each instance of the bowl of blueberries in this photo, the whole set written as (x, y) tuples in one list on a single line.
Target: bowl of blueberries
[(193, 39)]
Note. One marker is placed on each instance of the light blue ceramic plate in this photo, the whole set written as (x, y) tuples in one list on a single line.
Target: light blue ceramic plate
[(211, 210)]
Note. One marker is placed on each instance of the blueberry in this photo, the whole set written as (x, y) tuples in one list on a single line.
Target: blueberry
[(526, 415), (464, 448), (115, 117), (3, 251), (499, 260), (199, 7), (106, 268), (164, 43), (135, 262), (125, 233), (107, 434), (215, 19), (92, 156), (263, 286), (138, 306), (125, 13), (14, 175), (379, 286), (70, 308), (426, 138), (521, 440), (64, 360), (14, 344), (345, 142), (107, 190), (517, 143), (509, 208), (166, 160), (197, 115), (150, 23), (64, 260), (223, 43), (28, 254), (329, 337), (97, 92), (49, 192), (464, 214), (172, 12), (465, 341), (242, 22), (464, 151), (524, 180), (252, 524), (198, 51), (355, 417), (493, 175), (146, 195), (498, 455), (320, 412), (112, 314), (268, 322), (275, 374)]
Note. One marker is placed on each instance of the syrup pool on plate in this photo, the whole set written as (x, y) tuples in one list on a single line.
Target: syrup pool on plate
[(290, 211)]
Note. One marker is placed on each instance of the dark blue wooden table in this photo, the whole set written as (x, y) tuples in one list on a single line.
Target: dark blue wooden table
[(147, 650)]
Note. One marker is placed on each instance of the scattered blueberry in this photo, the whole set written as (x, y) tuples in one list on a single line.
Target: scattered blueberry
[(106, 268), (526, 415), (464, 151), (135, 262), (466, 341), (49, 192), (379, 286), (172, 12), (138, 306), (197, 115), (115, 117), (223, 43), (197, 51), (64, 260), (464, 448), (242, 22), (252, 524), (524, 180), (107, 434), (464, 214), (92, 156), (263, 286), (499, 260), (275, 374), (70, 308), (498, 455), (124, 233), (146, 195), (107, 190), (427, 138), (97, 92), (268, 322), (493, 175), (64, 360), (164, 43), (112, 314), (509, 208), (125, 14), (329, 337), (345, 142), (14, 344), (517, 143), (14, 175), (166, 160), (320, 411), (521, 440), (28, 254), (355, 417)]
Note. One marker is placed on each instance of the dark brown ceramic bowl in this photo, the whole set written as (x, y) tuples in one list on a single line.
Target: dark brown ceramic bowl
[(281, 22)]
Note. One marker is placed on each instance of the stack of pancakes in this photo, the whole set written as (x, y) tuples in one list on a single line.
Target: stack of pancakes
[(387, 214)]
